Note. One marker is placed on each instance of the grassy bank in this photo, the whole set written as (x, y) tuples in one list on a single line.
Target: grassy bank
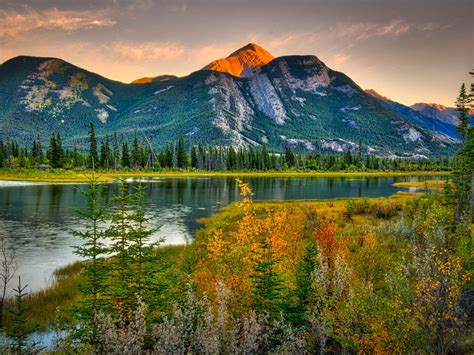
[(55, 303), (71, 176), (436, 185)]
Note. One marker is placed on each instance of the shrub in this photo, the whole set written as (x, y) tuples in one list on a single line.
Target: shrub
[(354, 207), (384, 209)]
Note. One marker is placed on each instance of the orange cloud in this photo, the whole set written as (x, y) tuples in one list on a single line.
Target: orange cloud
[(14, 24), (145, 51)]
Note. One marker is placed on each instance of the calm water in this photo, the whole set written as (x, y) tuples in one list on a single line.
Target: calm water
[(37, 219)]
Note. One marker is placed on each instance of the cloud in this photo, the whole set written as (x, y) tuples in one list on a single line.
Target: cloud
[(144, 51), (14, 23), (340, 59), (367, 30), (179, 7)]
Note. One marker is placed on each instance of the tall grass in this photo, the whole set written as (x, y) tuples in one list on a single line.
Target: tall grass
[(60, 296)]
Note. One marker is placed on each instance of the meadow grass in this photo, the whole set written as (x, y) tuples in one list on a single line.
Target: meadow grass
[(437, 185), (79, 176)]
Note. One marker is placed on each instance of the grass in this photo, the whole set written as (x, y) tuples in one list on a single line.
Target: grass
[(437, 185), (61, 296), (73, 176), (55, 302)]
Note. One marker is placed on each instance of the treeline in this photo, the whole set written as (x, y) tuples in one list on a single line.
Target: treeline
[(111, 153)]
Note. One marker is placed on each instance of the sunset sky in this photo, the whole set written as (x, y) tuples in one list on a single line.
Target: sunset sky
[(410, 51)]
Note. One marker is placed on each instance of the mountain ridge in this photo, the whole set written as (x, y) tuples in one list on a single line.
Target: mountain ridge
[(291, 101)]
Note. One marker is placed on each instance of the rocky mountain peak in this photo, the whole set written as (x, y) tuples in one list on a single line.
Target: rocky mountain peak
[(244, 62)]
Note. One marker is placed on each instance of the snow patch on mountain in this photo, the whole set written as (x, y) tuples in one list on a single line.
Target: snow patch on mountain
[(102, 115), (412, 135), (102, 93), (294, 143), (163, 90), (353, 108), (350, 122), (336, 145)]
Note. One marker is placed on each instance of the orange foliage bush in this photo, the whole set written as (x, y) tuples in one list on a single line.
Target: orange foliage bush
[(326, 237)]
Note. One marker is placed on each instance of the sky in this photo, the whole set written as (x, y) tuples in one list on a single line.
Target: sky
[(410, 51)]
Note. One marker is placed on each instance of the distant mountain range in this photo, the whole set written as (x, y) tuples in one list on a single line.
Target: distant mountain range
[(247, 99)]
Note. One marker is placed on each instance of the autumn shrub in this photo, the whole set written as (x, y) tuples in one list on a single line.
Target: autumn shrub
[(384, 209), (356, 207)]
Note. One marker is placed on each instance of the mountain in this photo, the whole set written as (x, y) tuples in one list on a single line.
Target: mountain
[(427, 117), (439, 112), (161, 78), (249, 98), (243, 63)]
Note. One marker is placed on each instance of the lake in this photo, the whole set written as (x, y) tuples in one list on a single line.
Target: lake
[(38, 219)]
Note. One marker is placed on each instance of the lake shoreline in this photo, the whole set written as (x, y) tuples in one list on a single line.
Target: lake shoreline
[(70, 176)]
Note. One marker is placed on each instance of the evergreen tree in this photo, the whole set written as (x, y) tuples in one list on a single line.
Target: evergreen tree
[(20, 329), (133, 263), (202, 157), (125, 155), (116, 152), (462, 106), (135, 154), (290, 158), (55, 151), (194, 159), (463, 163), (181, 154), (141, 251), (76, 157), (93, 251), (93, 155), (2, 155), (304, 272), (59, 151), (266, 282), (231, 159)]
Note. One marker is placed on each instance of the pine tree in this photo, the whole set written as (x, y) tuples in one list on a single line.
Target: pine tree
[(125, 155), (116, 152), (202, 157), (59, 151), (142, 267), (194, 159), (266, 282), (55, 151), (290, 158), (181, 154), (231, 159), (76, 158), (21, 329), (2, 155), (120, 291), (462, 107), (93, 251), (93, 155), (304, 272), (359, 153), (463, 163), (135, 154)]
